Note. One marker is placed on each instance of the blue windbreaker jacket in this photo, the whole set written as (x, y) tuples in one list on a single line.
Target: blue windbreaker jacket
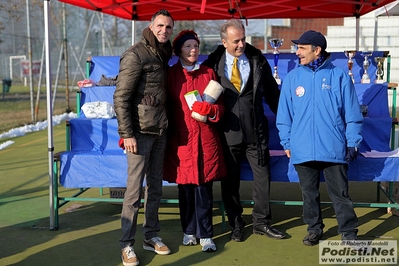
[(319, 114)]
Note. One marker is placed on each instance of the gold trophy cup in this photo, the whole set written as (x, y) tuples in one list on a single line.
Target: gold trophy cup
[(350, 54), (380, 69), (276, 43)]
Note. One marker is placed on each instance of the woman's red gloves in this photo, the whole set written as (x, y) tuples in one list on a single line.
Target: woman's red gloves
[(204, 108)]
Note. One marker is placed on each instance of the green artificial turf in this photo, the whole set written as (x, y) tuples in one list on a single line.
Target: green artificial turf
[(88, 233)]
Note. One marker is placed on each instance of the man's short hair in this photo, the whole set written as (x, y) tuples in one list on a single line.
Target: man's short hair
[(162, 12), (236, 23)]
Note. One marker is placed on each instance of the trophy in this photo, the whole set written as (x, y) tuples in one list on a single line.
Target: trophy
[(380, 69), (276, 43), (350, 54), (366, 64)]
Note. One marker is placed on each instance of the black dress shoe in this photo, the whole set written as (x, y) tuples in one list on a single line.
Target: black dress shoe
[(237, 234), (268, 230)]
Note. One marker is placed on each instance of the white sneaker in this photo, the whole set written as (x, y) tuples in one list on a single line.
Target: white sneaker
[(207, 245), (189, 240)]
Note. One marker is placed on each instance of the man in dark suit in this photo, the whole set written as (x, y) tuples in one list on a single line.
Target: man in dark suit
[(247, 78)]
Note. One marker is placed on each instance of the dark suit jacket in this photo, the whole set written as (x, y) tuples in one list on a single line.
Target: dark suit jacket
[(244, 118)]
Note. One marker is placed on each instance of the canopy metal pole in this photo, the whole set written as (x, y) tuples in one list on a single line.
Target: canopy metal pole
[(50, 146), (357, 33), (133, 32), (375, 33)]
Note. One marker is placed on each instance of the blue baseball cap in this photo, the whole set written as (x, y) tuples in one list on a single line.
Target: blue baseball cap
[(314, 38)]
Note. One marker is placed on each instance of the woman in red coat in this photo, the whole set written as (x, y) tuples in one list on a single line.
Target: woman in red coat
[(194, 157)]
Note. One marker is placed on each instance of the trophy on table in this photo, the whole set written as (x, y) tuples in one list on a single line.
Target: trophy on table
[(276, 43), (380, 69), (350, 54), (366, 64)]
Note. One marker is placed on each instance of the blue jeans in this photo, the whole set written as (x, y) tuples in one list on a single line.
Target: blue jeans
[(335, 176), (148, 163)]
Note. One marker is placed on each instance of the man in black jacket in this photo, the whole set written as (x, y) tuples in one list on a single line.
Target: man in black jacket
[(245, 126)]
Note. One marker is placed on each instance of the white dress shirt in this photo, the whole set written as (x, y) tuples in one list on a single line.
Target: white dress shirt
[(243, 66)]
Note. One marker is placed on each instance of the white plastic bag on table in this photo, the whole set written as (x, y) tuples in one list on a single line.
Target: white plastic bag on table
[(98, 110)]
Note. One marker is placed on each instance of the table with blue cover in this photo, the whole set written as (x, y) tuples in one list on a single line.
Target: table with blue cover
[(94, 143)]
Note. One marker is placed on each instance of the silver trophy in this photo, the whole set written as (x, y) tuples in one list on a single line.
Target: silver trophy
[(380, 69), (350, 54), (366, 64), (276, 43)]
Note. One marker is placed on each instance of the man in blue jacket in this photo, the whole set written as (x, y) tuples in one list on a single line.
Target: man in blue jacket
[(319, 122)]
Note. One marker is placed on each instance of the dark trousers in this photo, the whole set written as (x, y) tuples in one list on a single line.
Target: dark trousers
[(261, 213), (335, 176), (196, 203)]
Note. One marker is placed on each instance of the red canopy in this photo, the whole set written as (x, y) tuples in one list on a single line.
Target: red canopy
[(142, 10)]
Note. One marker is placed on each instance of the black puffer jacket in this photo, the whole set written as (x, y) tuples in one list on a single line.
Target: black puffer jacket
[(140, 95)]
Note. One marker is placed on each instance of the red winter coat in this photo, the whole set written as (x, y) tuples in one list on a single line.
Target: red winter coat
[(194, 153)]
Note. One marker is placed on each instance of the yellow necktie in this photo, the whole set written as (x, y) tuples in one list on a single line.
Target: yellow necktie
[(235, 75)]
